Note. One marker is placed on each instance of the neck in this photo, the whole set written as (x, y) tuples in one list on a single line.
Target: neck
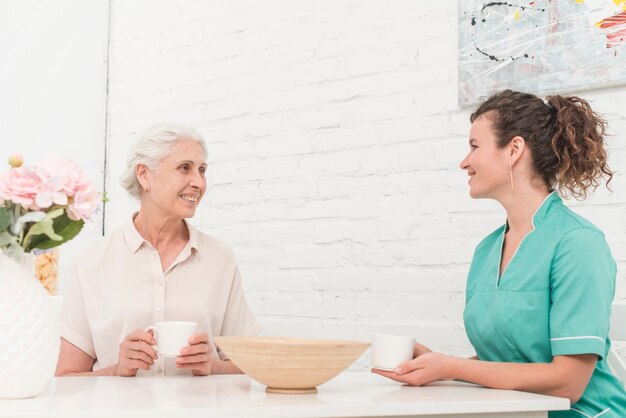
[(521, 205), (159, 229)]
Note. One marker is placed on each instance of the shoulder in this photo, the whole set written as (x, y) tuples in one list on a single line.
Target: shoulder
[(100, 256), (106, 242), (564, 221), (568, 229), (208, 244), (488, 242), (577, 240)]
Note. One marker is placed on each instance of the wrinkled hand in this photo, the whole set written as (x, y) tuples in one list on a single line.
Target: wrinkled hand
[(197, 355), (426, 368), (136, 352)]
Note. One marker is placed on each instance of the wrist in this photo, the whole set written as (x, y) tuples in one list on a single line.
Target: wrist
[(113, 370), (451, 367)]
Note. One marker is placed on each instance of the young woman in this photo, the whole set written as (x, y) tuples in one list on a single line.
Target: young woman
[(540, 287)]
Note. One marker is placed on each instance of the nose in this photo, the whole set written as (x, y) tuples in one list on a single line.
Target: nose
[(464, 165), (197, 180)]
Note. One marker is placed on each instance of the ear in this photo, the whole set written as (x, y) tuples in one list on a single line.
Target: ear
[(516, 149), (143, 176)]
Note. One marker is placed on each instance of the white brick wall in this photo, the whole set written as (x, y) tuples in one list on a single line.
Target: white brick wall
[(334, 138)]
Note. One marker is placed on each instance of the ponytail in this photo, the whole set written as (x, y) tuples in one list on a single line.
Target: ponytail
[(578, 141)]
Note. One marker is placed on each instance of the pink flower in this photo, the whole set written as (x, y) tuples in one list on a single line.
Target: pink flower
[(21, 185), (84, 204), (62, 176), (54, 176), (53, 184)]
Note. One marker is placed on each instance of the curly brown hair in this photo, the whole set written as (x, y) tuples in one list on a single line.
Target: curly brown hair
[(565, 136)]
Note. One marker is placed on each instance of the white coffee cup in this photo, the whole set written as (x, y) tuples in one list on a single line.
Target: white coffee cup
[(171, 336), (389, 351)]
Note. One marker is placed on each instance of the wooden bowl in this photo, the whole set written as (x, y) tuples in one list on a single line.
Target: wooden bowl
[(290, 365)]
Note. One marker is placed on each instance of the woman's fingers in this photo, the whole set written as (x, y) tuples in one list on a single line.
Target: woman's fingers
[(143, 347), (196, 358), (420, 349), (199, 338), (141, 335), (413, 378), (391, 375), (136, 352), (197, 355), (195, 349), (137, 364), (140, 355)]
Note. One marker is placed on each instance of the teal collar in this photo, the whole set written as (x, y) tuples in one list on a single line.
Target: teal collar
[(543, 210), (552, 200)]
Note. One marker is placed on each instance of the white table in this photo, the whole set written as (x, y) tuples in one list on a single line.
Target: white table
[(236, 396)]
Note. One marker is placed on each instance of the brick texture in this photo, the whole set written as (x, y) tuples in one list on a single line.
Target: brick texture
[(334, 137)]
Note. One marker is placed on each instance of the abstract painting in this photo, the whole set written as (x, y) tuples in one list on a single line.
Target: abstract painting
[(542, 46)]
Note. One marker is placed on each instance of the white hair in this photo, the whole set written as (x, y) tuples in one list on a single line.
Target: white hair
[(152, 147)]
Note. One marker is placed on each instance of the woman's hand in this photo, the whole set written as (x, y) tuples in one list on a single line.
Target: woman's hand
[(136, 352), (197, 355), (426, 368), (420, 349)]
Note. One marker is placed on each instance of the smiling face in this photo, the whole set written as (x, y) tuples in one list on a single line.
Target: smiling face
[(178, 183), (486, 164)]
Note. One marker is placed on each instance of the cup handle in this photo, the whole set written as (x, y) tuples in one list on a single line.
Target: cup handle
[(154, 332)]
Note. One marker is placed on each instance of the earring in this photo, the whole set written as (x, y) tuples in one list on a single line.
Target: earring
[(511, 174)]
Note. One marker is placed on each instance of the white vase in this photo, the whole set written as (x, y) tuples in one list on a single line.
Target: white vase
[(29, 331)]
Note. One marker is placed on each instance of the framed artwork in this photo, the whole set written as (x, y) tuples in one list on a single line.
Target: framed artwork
[(542, 46)]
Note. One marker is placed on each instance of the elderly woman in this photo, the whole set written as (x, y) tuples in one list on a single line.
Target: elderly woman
[(155, 267)]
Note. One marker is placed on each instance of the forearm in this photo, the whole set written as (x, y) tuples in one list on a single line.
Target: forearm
[(544, 378), (224, 367), (107, 371)]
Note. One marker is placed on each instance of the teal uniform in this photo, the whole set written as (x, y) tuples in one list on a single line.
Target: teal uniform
[(554, 298)]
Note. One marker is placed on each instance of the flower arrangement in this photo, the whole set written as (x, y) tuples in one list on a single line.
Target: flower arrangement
[(43, 206)]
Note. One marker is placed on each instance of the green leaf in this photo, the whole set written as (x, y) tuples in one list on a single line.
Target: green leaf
[(43, 227), (6, 238), (4, 218), (63, 226), (55, 213), (28, 218), (14, 250)]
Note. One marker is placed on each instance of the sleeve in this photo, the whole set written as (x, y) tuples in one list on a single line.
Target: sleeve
[(74, 324), (238, 319), (582, 286)]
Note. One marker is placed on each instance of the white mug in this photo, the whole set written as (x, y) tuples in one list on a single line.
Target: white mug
[(389, 351), (171, 336)]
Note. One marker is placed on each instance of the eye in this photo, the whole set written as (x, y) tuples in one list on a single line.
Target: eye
[(184, 167), (202, 170)]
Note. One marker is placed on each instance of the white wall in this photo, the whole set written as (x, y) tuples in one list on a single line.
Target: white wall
[(53, 88), (334, 138)]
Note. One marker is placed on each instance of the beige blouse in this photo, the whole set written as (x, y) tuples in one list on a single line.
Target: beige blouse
[(118, 286)]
